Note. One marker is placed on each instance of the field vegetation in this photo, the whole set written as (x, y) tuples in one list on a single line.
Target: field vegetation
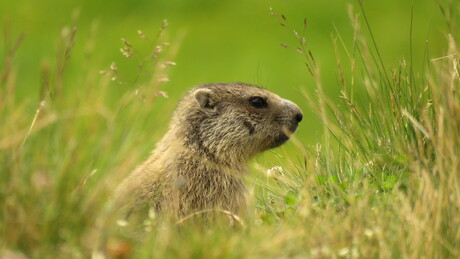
[(374, 171)]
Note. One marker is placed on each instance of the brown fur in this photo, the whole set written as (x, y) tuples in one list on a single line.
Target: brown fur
[(200, 162)]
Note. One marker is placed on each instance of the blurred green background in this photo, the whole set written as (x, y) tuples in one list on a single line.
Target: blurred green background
[(216, 41)]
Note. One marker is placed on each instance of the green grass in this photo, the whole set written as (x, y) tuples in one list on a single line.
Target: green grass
[(382, 182)]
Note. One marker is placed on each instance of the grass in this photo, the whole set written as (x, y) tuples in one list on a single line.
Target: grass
[(383, 182)]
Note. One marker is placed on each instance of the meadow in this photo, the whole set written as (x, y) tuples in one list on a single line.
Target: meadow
[(373, 171)]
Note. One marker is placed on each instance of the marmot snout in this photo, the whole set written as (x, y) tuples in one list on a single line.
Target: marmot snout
[(200, 162)]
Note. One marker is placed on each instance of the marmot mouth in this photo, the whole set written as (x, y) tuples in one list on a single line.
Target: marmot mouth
[(284, 135), (293, 128), (279, 140)]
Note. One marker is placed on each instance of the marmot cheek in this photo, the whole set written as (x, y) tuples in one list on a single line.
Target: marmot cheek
[(250, 127)]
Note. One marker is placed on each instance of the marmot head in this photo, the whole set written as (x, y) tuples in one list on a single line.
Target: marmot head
[(230, 123)]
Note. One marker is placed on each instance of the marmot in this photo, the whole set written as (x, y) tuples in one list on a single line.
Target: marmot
[(200, 163)]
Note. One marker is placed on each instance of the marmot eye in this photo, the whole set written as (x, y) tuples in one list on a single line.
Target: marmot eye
[(258, 102)]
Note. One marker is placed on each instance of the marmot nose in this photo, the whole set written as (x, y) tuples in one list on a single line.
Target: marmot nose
[(298, 117), (294, 111)]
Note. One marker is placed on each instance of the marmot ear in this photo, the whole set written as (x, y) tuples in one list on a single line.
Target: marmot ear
[(204, 98)]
